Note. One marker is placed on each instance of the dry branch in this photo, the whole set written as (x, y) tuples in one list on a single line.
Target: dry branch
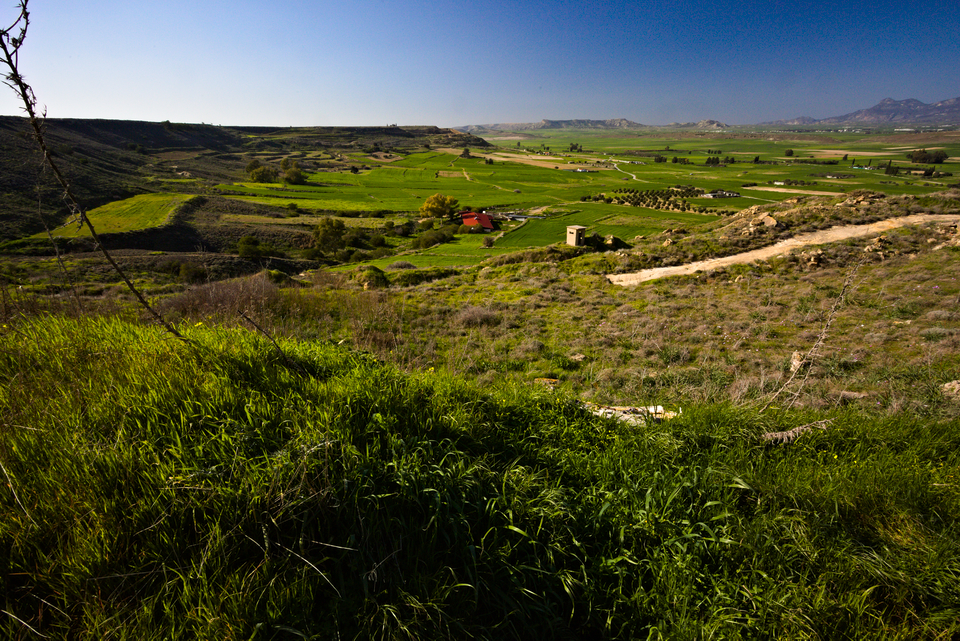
[(10, 47)]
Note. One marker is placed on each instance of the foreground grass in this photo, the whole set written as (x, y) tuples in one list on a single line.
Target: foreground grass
[(157, 489)]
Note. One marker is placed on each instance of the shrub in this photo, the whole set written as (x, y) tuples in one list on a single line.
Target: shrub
[(477, 317), (294, 176), (192, 272), (371, 277), (221, 300), (264, 175)]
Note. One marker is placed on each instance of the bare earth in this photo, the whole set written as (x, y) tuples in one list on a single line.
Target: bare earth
[(853, 154), (787, 190), (832, 235)]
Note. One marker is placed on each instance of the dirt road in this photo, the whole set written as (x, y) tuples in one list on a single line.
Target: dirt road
[(832, 235)]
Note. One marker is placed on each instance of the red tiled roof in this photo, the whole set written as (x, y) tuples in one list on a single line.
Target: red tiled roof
[(472, 219)]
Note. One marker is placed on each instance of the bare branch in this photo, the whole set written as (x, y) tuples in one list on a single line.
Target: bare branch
[(9, 47), (815, 350)]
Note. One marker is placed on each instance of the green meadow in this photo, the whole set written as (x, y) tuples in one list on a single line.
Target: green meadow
[(139, 212), (624, 222), (537, 177)]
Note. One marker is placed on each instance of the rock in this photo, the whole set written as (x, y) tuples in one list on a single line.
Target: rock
[(632, 415), (952, 390), (767, 221), (847, 397), (667, 242), (796, 361)]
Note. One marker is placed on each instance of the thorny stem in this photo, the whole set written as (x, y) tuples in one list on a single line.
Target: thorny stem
[(815, 350), (10, 46)]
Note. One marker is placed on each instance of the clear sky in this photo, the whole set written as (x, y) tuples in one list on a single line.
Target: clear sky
[(446, 63)]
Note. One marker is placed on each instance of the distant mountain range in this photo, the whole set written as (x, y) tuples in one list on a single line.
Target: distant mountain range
[(612, 123), (890, 111)]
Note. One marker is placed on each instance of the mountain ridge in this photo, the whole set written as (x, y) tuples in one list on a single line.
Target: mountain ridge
[(889, 111)]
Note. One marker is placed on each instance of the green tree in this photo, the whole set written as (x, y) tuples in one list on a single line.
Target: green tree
[(293, 176), (253, 165), (328, 234), (788, 153), (439, 206), (264, 174)]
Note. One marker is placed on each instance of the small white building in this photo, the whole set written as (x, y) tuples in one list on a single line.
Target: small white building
[(576, 235)]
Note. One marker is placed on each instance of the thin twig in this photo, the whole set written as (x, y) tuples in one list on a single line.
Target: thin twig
[(56, 248), (815, 350), (14, 491), (25, 624), (790, 436), (295, 366)]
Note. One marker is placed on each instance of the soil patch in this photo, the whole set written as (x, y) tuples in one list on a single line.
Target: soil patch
[(853, 154), (806, 192)]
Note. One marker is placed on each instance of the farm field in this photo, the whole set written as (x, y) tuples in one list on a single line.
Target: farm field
[(139, 212), (603, 219), (540, 176)]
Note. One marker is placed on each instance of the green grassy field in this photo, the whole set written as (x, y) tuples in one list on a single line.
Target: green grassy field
[(139, 212), (219, 489), (623, 222), (534, 178)]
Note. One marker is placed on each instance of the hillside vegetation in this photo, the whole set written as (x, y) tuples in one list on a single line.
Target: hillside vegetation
[(383, 423), (217, 488)]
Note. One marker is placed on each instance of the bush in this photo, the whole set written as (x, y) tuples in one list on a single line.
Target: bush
[(251, 247), (264, 175), (192, 273), (371, 277), (294, 176), (431, 238), (477, 317)]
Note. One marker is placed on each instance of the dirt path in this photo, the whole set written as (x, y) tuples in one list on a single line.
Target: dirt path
[(629, 174), (832, 235)]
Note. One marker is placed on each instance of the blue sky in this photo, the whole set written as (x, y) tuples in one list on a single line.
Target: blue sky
[(374, 62)]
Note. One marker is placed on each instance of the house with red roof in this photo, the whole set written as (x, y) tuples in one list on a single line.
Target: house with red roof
[(473, 219)]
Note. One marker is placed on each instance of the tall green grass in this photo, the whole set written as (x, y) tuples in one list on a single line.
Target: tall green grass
[(159, 489)]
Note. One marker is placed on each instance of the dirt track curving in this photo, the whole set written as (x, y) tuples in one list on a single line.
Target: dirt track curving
[(832, 235)]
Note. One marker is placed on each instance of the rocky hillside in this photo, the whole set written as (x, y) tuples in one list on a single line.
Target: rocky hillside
[(612, 123), (106, 160), (890, 111), (703, 124)]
